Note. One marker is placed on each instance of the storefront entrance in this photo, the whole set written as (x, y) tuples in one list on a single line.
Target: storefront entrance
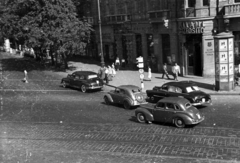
[(193, 58)]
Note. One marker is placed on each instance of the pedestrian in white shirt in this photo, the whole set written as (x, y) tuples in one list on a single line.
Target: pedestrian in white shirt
[(176, 71)]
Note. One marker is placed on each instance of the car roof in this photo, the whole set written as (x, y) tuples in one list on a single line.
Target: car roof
[(181, 84), (178, 100), (84, 72), (128, 87)]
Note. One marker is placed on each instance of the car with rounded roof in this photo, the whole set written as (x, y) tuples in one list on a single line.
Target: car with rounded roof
[(185, 89), (127, 95), (83, 80), (175, 110)]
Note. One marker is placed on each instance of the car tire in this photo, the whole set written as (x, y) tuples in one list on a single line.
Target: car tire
[(83, 88), (64, 84), (152, 98), (106, 100), (141, 118), (179, 122), (126, 105)]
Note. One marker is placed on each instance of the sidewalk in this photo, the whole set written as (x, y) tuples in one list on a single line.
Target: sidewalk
[(124, 77)]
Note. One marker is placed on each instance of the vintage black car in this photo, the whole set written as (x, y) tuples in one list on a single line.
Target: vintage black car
[(128, 95), (83, 80), (185, 89), (176, 110)]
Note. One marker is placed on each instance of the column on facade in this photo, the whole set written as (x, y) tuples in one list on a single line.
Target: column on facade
[(208, 56), (144, 47), (118, 38), (158, 50)]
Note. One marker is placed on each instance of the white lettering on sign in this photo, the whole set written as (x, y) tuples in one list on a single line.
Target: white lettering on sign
[(191, 27)]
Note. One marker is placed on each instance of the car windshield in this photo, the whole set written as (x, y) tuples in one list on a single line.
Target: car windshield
[(187, 105), (136, 90), (92, 76), (192, 89)]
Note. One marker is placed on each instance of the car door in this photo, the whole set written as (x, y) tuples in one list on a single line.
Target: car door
[(159, 112), (71, 79), (75, 81), (170, 112), (172, 92), (116, 95)]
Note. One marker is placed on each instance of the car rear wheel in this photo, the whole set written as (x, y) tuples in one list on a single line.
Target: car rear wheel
[(126, 105), (106, 100), (83, 88), (179, 123), (64, 84), (141, 118)]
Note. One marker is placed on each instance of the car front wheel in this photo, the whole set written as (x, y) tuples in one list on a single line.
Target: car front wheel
[(106, 100), (126, 105), (83, 88), (179, 123), (141, 118), (64, 84)]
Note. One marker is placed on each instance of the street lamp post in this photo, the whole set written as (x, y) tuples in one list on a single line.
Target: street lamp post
[(100, 33)]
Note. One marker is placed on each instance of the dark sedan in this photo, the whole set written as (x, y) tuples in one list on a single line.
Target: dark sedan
[(185, 89), (83, 80)]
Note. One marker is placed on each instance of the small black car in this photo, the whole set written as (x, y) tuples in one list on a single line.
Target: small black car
[(84, 80), (185, 89)]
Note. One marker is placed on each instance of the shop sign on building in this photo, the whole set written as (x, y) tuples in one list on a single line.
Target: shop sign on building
[(209, 47), (191, 27)]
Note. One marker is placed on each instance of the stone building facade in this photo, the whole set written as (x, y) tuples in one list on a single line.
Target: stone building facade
[(167, 31)]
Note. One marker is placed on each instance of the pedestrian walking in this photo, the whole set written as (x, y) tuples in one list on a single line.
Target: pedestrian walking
[(165, 72), (149, 73), (117, 63), (106, 74), (25, 79), (110, 73), (113, 70), (101, 73), (176, 71)]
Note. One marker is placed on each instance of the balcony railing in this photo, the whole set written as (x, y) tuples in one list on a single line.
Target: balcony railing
[(196, 12), (232, 9), (159, 15)]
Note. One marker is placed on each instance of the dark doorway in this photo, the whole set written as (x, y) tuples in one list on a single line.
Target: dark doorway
[(194, 54), (139, 45)]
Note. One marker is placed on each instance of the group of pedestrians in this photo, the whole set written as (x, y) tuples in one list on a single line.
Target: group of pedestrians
[(175, 71), (107, 73)]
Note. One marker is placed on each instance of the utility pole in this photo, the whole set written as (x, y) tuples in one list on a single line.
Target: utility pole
[(100, 33)]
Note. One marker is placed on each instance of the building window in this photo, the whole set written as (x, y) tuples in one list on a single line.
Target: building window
[(205, 2), (166, 49), (237, 1), (191, 3), (150, 47)]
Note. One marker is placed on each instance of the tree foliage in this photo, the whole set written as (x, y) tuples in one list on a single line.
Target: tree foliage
[(45, 24)]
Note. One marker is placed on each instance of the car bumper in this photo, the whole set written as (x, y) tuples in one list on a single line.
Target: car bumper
[(136, 103), (94, 87), (202, 103), (198, 121)]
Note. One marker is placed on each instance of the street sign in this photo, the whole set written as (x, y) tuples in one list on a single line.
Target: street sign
[(141, 71), (142, 76)]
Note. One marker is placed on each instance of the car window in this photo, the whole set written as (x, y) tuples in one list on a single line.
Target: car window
[(76, 77), (165, 87), (117, 90), (122, 91), (81, 77), (196, 88), (160, 105), (178, 90), (170, 106), (171, 89), (177, 108)]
